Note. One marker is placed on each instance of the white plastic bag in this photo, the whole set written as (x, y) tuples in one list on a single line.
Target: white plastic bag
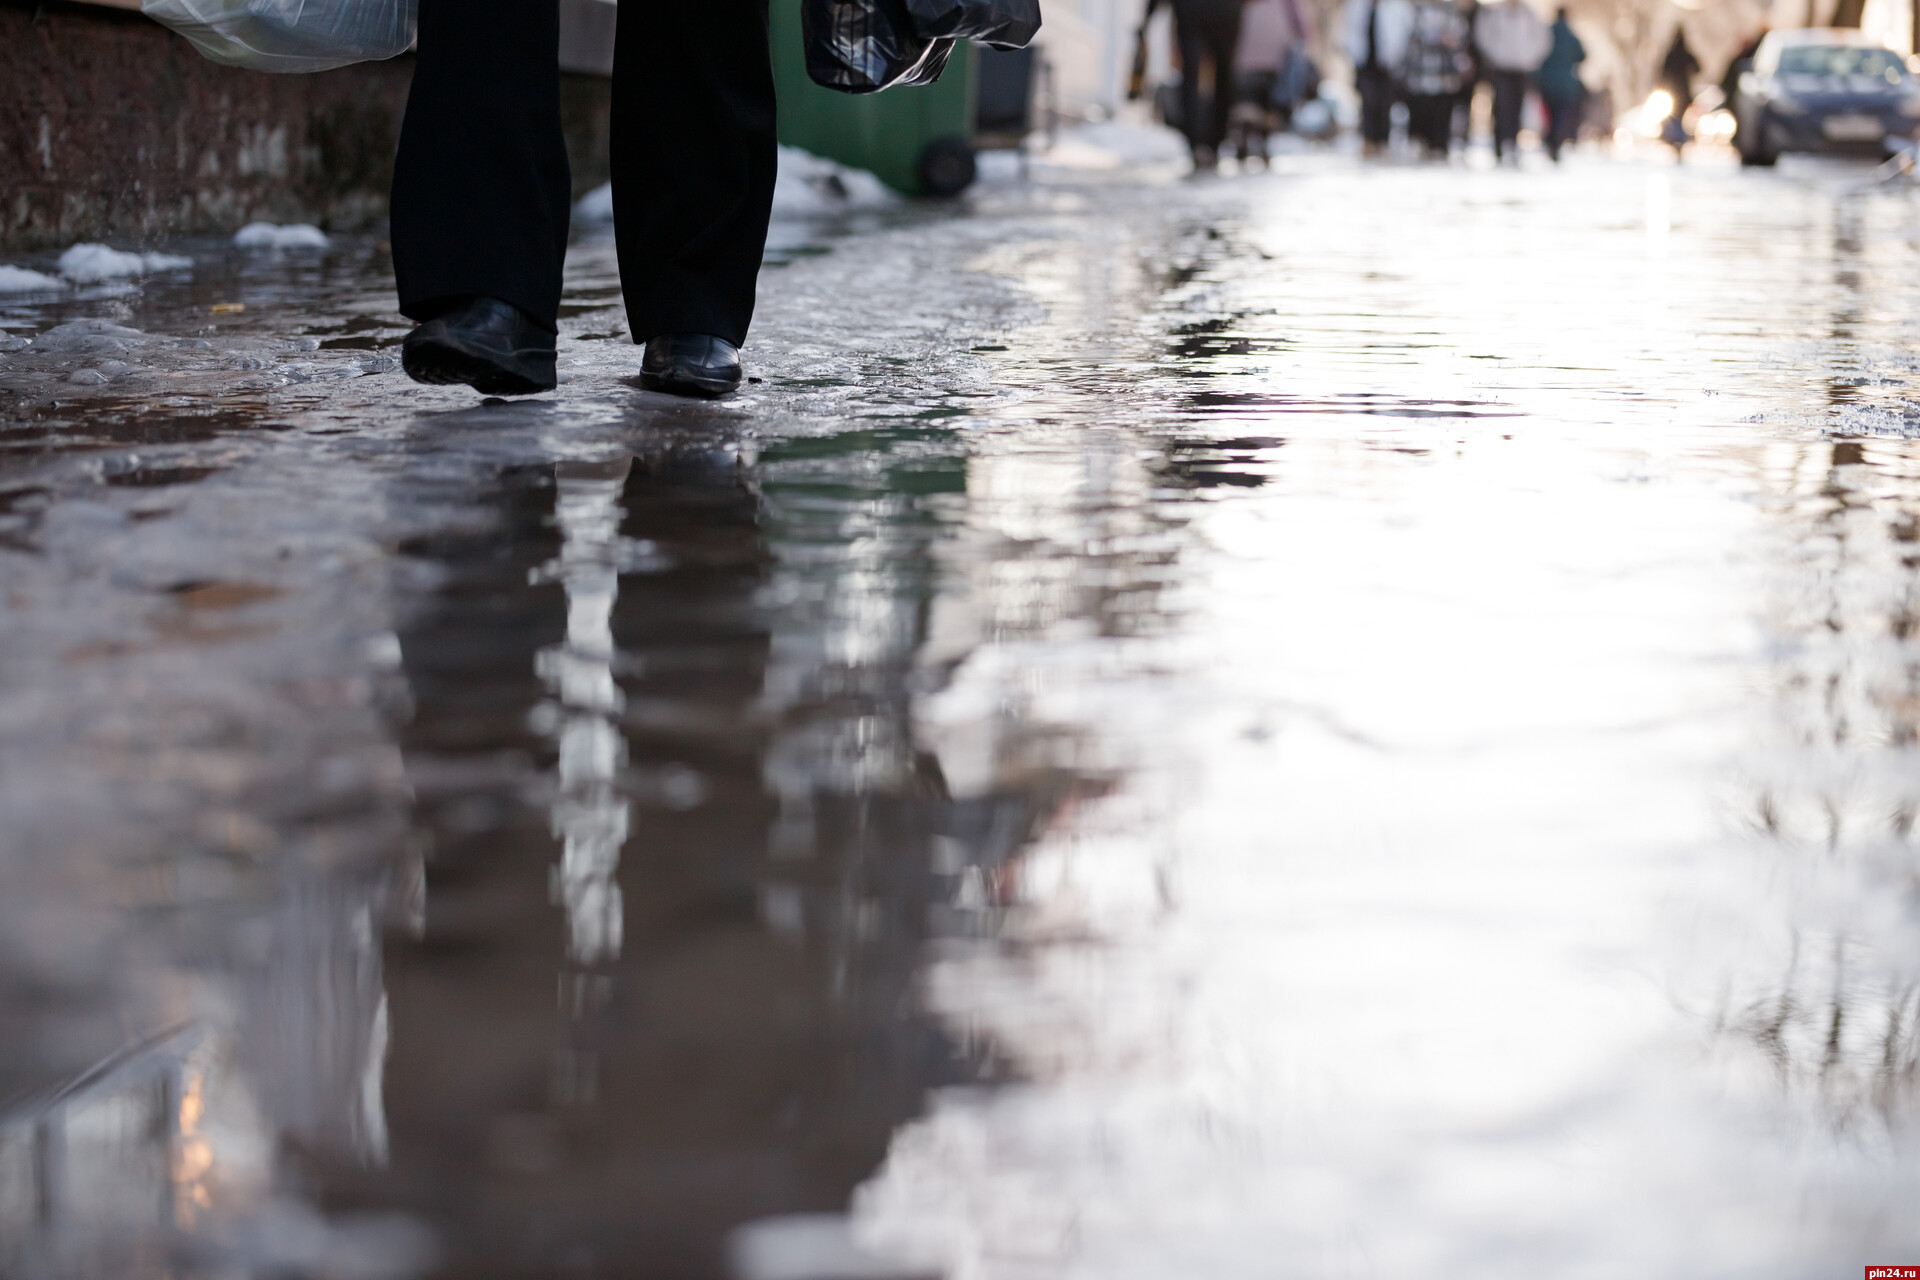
[(290, 35)]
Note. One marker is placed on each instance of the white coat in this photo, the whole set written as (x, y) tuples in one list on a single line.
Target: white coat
[(1512, 37), (1395, 24)]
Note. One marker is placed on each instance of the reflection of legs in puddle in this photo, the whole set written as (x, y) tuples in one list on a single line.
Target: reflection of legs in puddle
[(481, 190), (725, 1048)]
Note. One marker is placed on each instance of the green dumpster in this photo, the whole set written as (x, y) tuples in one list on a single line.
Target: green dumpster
[(917, 140)]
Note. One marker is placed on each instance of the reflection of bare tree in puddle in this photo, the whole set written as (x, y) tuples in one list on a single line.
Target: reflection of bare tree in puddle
[(1834, 801)]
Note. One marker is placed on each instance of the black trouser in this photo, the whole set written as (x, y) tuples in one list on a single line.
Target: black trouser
[(1208, 34), (481, 188), (1509, 96), (1430, 119), (1563, 121), (1376, 104)]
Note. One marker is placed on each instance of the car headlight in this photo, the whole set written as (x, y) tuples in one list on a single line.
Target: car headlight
[(1909, 105), (1784, 104)]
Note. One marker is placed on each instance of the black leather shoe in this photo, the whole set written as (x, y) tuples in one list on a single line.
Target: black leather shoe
[(490, 345), (690, 364)]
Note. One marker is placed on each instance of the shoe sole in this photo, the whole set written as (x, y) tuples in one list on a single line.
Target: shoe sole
[(438, 364), (675, 385)]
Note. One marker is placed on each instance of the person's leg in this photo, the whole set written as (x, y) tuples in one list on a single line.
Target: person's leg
[(1509, 95), (1417, 120), (481, 189), (1223, 38), (1195, 106), (695, 155), (1566, 120), (1439, 131), (1376, 108)]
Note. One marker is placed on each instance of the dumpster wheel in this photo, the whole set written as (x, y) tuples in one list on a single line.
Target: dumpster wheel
[(945, 167)]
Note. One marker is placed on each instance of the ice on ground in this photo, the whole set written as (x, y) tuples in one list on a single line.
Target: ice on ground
[(1115, 144), (807, 1246), (807, 184), (267, 235), (89, 263), (90, 335), (21, 280)]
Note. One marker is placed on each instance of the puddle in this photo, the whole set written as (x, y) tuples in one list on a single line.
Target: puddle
[(1179, 726)]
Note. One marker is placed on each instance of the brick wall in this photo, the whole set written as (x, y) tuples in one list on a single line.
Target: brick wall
[(112, 128)]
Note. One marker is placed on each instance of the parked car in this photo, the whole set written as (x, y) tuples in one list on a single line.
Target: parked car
[(1832, 91)]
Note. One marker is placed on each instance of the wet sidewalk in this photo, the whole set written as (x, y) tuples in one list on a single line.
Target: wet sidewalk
[(1345, 721)]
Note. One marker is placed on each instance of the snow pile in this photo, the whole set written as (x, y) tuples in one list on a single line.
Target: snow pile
[(807, 184), (265, 235), (596, 205), (90, 263), (20, 280)]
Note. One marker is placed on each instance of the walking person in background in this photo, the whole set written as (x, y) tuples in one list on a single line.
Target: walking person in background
[(1513, 42), (1376, 41), (1560, 86), (1437, 64), (1463, 102), (1206, 32), (1677, 71), (1270, 31)]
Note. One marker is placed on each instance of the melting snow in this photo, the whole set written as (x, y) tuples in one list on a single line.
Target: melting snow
[(20, 280), (807, 184), (88, 263), (265, 235)]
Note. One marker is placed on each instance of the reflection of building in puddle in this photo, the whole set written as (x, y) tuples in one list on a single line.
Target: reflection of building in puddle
[(99, 1162), (167, 1149), (590, 815), (1823, 980), (1042, 640), (179, 1138)]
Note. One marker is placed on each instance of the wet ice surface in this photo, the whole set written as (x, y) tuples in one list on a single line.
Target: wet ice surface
[(1342, 722)]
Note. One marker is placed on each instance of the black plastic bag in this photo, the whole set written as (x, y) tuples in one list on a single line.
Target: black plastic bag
[(1004, 24), (864, 46)]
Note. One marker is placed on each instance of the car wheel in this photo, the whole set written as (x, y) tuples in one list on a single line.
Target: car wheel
[(1759, 159)]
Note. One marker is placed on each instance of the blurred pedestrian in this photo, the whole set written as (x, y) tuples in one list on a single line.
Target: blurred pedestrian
[(1265, 85), (1678, 69), (1513, 42), (1206, 33), (482, 193), (1437, 64), (1560, 85), (1376, 41), (1463, 103)]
